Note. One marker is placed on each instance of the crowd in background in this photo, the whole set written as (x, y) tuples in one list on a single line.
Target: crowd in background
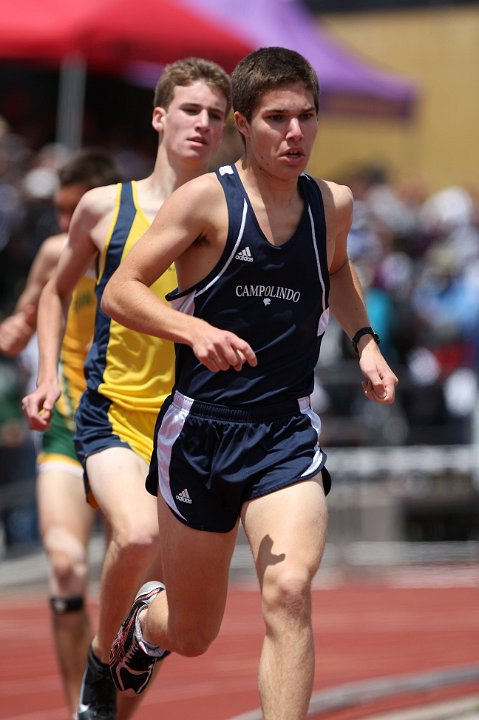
[(417, 254)]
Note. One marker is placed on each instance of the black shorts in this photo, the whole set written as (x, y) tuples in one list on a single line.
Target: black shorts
[(210, 459)]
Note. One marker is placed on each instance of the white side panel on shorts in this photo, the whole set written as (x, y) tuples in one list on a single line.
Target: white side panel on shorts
[(170, 429), (318, 454)]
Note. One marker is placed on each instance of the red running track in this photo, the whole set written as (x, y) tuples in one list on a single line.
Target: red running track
[(362, 630)]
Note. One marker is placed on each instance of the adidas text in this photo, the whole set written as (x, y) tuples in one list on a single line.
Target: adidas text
[(244, 255), (184, 497)]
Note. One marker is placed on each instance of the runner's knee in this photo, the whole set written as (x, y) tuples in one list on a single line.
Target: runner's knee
[(68, 563), (135, 544), (189, 635), (192, 641), (67, 571), (287, 594)]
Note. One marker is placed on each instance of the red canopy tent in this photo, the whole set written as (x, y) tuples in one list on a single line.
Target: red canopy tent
[(108, 35)]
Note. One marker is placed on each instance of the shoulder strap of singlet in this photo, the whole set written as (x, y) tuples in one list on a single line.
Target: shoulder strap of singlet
[(126, 214), (236, 204), (313, 196), (119, 234), (236, 201)]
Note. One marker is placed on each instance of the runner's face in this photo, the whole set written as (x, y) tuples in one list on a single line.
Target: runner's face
[(282, 131), (193, 125), (66, 200)]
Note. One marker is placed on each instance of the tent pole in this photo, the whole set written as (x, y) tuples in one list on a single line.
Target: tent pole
[(71, 100)]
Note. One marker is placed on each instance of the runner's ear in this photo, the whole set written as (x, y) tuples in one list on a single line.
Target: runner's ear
[(242, 124)]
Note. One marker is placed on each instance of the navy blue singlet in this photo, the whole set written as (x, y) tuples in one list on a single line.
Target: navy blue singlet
[(274, 297)]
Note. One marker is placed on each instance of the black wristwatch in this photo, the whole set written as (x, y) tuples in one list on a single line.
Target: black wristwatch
[(364, 331)]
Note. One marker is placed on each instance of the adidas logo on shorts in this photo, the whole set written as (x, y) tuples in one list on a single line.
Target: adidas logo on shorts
[(184, 497), (244, 255)]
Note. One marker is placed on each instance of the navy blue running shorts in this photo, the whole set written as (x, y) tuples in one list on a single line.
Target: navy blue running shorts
[(102, 424), (210, 459)]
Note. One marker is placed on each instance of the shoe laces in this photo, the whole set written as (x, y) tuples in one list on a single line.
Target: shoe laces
[(136, 656), (104, 695)]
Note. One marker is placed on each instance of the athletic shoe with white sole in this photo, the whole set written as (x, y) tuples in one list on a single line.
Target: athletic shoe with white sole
[(97, 694), (130, 665)]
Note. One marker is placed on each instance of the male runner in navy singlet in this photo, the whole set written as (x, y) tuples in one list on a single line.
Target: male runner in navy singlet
[(261, 255)]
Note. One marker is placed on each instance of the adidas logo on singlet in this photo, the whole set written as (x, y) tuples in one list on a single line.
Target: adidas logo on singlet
[(184, 496), (245, 255)]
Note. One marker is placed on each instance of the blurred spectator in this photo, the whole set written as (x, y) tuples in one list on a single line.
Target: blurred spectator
[(17, 461), (448, 307), (12, 159), (27, 216)]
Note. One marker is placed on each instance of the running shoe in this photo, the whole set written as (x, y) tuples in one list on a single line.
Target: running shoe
[(130, 665), (98, 694)]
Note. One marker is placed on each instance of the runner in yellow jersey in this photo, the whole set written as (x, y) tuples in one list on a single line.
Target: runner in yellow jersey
[(65, 518), (128, 374), (117, 413)]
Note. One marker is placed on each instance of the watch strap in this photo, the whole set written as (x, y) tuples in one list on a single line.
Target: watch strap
[(364, 331)]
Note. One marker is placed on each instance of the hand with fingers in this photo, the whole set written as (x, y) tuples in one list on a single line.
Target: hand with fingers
[(380, 383), (16, 331), (38, 405), (221, 350)]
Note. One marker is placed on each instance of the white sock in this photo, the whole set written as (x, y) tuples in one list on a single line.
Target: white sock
[(148, 648)]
